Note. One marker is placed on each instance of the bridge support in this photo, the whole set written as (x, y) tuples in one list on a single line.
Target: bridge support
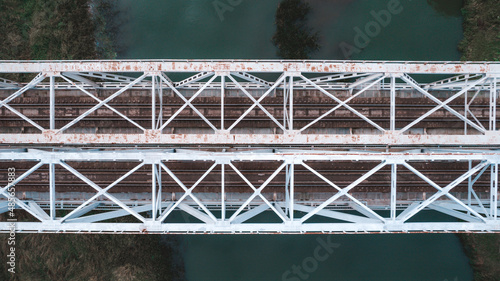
[(259, 173), (300, 217)]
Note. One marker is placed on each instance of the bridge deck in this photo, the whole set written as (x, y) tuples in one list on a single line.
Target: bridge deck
[(221, 106)]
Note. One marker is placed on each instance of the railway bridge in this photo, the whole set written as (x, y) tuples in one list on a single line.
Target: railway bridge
[(249, 146)]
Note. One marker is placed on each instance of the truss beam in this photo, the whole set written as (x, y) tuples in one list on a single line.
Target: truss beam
[(290, 85), (293, 76), (251, 66), (300, 213), (155, 138)]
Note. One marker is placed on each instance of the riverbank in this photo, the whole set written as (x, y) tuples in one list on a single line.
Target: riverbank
[(481, 30), (482, 43), (75, 29), (91, 256), (483, 251), (56, 30), (46, 30)]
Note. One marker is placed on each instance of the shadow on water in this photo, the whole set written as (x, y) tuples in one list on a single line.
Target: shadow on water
[(110, 18), (422, 31), (379, 30), (450, 8)]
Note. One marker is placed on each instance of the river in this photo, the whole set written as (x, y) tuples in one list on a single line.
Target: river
[(355, 29)]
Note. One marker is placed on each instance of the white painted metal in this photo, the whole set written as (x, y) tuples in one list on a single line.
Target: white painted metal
[(393, 103), (493, 104), (9, 84), (52, 187), (52, 104), (100, 104), (472, 217), (371, 75), (222, 96), (494, 191), (100, 101), (394, 190), (322, 77), (251, 66)]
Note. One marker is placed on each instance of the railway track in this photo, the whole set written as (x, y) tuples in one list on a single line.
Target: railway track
[(340, 173), (308, 105)]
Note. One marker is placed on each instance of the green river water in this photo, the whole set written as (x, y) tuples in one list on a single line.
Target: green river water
[(194, 29)]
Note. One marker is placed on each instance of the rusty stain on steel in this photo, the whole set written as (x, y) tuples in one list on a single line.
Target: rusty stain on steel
[(154, 137), (246, 65)]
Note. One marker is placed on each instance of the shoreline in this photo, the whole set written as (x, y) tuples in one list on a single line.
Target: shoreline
[(481, 42), (483, 251), (82, 29), (481, 26), (92, 256)]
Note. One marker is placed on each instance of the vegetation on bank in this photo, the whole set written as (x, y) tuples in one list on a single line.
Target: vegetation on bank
[(482, 43), (108, 20), (90, 257), (58, 29), (481, 30), (446, 7), (293, 38), (483, 251), (77, 30), (38, 29)]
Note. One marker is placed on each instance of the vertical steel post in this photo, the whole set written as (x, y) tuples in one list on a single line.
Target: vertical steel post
[(494, 191), (393, 190), (494, 173), (287, 192), (153, 101), (52, 191), (222, 94), (285, 100), (158, 181), (160, 114), (223, 193), (469, 190), (466, 109), (52, 101), (153, 192), (393, 104), (290, 119), (493, 104), (292, 183)]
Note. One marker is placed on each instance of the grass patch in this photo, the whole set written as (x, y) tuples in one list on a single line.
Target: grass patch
[(482, 43), (90, 257), (481, 30), (46, 30), (484, 253)]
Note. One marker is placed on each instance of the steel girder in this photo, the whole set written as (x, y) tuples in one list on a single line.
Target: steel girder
[(222, 215), (314, 66), (226, 216), (223, 75)]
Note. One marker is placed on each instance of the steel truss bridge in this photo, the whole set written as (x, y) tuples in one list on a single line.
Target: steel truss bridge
[(245, 146)]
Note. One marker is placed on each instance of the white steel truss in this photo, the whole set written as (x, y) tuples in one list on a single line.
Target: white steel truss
[(226, 215), (325, 78), (469, 94)]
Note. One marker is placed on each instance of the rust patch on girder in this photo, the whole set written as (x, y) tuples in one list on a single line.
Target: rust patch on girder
[(249, 65), (155, 137)]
